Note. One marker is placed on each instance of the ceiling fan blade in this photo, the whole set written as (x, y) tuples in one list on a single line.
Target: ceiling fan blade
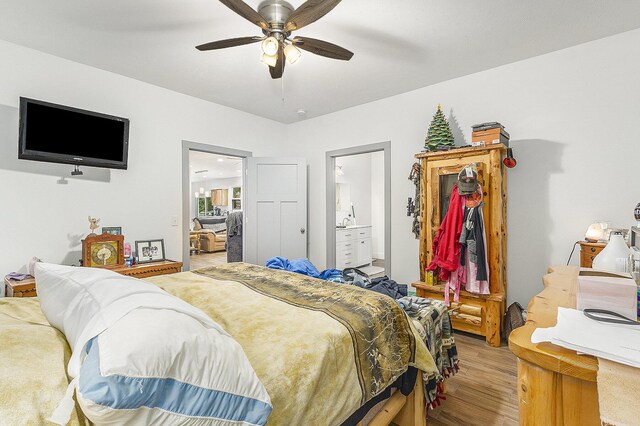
[(322, 48), (222, 44), (277, 71), (246, 11), (309, 12)]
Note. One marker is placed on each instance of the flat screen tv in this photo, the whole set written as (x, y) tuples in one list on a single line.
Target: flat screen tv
[(61, 134)]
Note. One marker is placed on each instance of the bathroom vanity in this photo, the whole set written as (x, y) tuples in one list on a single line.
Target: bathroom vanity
[(353, 246)]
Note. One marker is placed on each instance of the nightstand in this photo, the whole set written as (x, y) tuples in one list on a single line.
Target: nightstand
[(588, 251), (150, 269), (24, 288), (27, 287)]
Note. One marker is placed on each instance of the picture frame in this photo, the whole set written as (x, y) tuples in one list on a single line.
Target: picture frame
[(150, 250), (113, 230)]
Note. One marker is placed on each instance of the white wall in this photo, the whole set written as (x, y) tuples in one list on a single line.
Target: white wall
[(377, 204), (573, 118), (45, 216), (572, 115), (357, 174)]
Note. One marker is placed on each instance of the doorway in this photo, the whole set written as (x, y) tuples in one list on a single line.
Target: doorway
[(213, 189), (359, 208)]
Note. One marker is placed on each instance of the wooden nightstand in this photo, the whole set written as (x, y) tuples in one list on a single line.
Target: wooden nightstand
[(24, 288), (27, 287), (588, 251), (150, 269)]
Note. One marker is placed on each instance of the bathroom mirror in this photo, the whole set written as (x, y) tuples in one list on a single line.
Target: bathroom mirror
[(343, 198)]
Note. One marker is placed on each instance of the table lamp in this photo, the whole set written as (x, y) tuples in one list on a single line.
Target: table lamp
[(594, 233)]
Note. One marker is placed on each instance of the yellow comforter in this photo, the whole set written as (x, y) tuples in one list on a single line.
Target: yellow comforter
[(320, 349), (34, 359)]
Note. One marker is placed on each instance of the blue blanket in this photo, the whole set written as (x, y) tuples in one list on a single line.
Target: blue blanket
[(304, 267)]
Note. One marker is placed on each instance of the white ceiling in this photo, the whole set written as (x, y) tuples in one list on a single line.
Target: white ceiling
[(205, 166), (399, 45)]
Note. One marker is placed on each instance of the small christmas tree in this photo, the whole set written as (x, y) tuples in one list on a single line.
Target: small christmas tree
[(439, 136)]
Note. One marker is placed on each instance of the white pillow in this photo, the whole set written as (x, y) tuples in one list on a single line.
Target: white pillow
[(142, 356)]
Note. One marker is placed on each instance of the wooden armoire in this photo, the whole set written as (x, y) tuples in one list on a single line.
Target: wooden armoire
[(478, 314)]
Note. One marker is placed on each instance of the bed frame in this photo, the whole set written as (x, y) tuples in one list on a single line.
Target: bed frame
[(403, 410)]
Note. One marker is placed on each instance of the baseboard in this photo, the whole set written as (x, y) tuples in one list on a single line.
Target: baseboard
[(378, 256)]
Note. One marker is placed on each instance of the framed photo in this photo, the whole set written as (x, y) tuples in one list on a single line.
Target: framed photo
[(150, 251), (113, 230)]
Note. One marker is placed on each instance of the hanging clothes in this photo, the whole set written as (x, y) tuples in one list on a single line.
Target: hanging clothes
[(473, 252), (459, 246), (446, 245)]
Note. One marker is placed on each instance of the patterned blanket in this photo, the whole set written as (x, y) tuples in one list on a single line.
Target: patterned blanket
[(432, 320), (321, 349)]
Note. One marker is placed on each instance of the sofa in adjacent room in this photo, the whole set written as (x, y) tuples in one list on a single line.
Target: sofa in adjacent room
[(212, 232)]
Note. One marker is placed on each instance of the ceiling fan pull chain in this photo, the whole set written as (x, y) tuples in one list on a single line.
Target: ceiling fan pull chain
[(282, 88)]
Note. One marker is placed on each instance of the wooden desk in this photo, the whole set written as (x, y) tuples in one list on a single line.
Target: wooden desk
[(556, 386), (27, 287)]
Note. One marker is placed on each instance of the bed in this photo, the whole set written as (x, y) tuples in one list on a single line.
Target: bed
[(322, 350)]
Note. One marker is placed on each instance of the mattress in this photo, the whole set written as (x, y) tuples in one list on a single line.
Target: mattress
[(321, 349)]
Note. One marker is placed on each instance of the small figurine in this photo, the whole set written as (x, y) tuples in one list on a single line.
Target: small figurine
[(93, 225)]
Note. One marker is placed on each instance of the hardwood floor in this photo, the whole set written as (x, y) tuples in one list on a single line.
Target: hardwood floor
[(204, 260), (484, 391)]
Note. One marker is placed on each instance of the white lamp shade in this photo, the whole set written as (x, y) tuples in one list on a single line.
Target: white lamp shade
[(201, 190), (269, 60), (207, 194), (292, 53), (196, 194), (270, 46), (594, 232)]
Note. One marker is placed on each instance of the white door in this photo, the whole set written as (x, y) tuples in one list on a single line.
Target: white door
[(276, 212)]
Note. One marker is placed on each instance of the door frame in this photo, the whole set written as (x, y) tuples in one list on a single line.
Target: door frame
[(186, 188), (331, 156)]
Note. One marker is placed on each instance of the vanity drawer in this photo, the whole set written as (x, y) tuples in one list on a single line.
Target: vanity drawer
[(346, 235), (349, 262), (363, 233), (345, 246)]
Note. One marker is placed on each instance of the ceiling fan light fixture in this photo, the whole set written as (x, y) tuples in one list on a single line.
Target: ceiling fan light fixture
[(292, 53), (270, 46), (270, 60)]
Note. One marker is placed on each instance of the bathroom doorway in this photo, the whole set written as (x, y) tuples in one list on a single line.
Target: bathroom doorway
[(358, 209)]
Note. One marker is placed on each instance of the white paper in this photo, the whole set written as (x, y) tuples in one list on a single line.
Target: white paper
[(616, 342)]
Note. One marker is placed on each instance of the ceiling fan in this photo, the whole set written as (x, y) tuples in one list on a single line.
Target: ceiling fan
[(278, 19)]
